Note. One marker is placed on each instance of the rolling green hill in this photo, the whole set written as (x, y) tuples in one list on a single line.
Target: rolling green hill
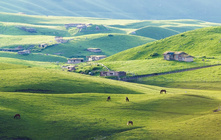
[(201, 42), (209, 79), (108, 44), (54, 102), (155, 32), (13, 33)]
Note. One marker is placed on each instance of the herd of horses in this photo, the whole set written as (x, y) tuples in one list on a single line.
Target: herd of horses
[(18, 116)]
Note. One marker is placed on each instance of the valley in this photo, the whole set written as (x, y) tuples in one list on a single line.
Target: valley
[(56, 103)]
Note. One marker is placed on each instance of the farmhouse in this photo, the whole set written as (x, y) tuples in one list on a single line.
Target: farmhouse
[(78, 25), (112, 73), (75, 60), (178, 56), (96, 50), (24, 52), (71, 68), (96, 57), (60, 39), (43, 45)]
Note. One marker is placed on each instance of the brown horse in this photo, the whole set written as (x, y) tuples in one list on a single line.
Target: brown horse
[(17, 116), (163, 90), (127, 99), (130, 122), (108, 98)]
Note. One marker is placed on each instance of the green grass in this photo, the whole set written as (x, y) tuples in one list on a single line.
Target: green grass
[(156, 65), (13, 41), (90, 116), (206, 79), (156, 32), (34, 57), (56, 104), (109, 45), (200, 42)]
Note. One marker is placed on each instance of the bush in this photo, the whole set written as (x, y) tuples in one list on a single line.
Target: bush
[(154, 54)]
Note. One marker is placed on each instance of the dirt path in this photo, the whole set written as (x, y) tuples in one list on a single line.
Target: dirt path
[(164, 73)]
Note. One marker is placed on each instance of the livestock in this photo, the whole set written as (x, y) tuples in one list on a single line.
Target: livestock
[(163, 90), (127, 99), (130, 122), (17, 116), (108, 98)]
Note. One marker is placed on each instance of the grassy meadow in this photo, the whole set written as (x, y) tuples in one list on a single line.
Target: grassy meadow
[(47, 27), (209, 79), (56, 104)]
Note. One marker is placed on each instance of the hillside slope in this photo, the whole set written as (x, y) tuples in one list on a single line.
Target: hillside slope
[(155, 32), (200, 42)]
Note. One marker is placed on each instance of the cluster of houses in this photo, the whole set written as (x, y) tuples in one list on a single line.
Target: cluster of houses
[(178, 56), (78, 25)]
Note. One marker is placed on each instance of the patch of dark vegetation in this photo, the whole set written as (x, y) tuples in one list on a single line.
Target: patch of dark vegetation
[(198, 96), (15, 138), (34, 90), (154, 54)]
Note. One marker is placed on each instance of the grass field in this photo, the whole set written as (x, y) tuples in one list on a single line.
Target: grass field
[(47, 27), (56, 104), (209, 79)]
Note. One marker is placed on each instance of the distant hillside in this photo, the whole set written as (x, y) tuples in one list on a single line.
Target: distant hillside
[(200, 42), (118, 9), (155, 32), (79, 33), (109, 45), (209, 79)]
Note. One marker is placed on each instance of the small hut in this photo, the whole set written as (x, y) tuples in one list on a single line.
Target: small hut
[(75, 60), (112, 73)]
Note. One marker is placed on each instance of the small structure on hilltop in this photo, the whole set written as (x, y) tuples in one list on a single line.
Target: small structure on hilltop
[(71, 68), (178, 56), (96, 57), (60, 39), (24, 52), (78, 25), (113, 73), (96, 50), (43, 45), (75, 60)]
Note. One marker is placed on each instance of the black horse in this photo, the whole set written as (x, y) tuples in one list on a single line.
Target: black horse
[(130, 122), (17, 116), (127, 99), (108, 98), (163, 91)]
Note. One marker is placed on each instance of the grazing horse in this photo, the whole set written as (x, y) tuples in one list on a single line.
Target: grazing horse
[(217, 110), (130, 122), (163, 90), (108, 98), (17, 116), (127, 100)]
